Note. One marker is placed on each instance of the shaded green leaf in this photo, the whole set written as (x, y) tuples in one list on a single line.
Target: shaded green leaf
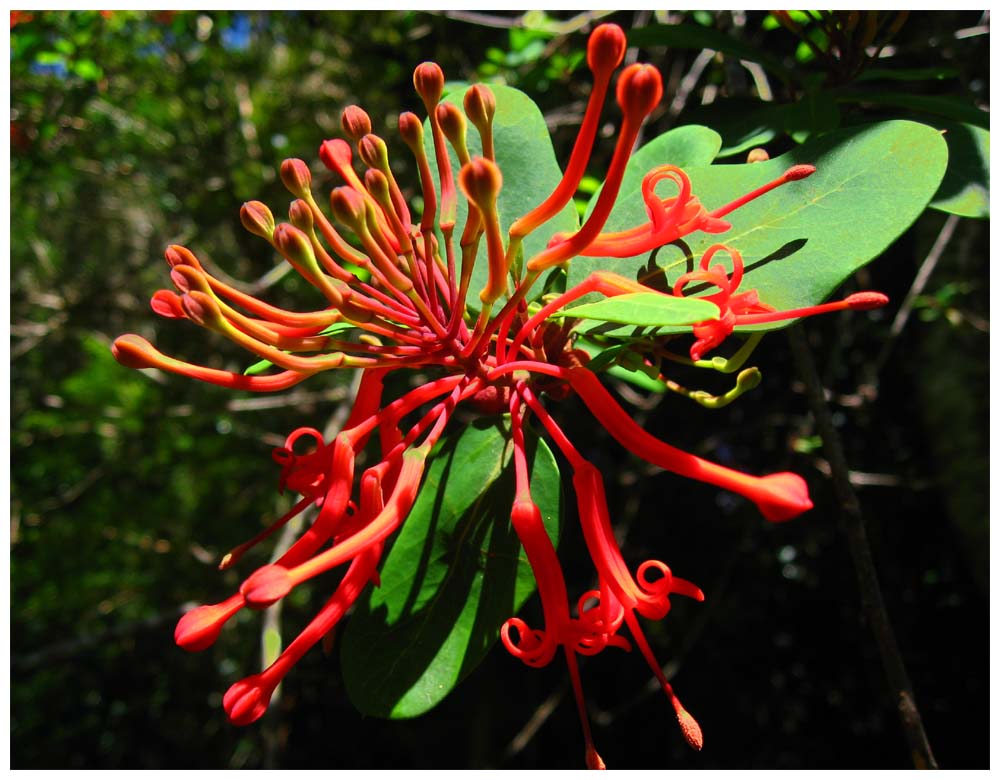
[(454, 574), (935, 73), (689, 36), (942, 105), (802, 240), (965, 189)]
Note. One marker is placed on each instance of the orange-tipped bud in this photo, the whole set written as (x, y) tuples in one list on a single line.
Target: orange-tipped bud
[(797, 172), (411, 130), (300, 215), (348, 206), (133, 351), (296, 177), (639, 91), (452, 122), (167, 304), (257, 219), (355, 122), (480, 181), (294, 244), (690, 729), (266, 585), (758, 155), (377, 184), (428, 80), (605, 49), (180, 255), (480, 106), (203, 310), (373, 152), (866, 300), (198, 629), (187, 278)]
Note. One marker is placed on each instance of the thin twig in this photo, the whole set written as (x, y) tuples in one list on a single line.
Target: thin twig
[(919, 283), (872, 605)]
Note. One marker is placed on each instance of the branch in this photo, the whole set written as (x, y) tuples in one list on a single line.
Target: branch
[(872, 605)]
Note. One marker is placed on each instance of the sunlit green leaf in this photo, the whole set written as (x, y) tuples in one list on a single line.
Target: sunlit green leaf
[(645, 309)]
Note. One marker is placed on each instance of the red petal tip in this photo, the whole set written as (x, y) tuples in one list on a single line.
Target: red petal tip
[(866, 300), (690, 729)]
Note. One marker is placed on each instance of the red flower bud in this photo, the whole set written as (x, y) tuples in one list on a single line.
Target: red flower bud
[(480, 106), (247, 700), (428, 80), (180, 255), (293, 244), (335, 154), (266, 585), (133, 351), (639, 91), (452, 123), (355, 122), (377, 184), (199, 628), (480, 181), (203, 310), (605, 48), (167, 304), (373, 152), (348, 207), (411, 130), (300, 215), (296, 177), (257, 218)]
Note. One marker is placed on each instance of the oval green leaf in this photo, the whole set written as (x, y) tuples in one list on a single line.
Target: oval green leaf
[(965, 190), (650, 309), (800, 241), (455, 573)]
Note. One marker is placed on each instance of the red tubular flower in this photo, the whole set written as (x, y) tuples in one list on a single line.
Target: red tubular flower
[(400, 303)]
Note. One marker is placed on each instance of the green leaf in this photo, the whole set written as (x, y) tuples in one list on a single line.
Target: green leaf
[(258, 368), (742, 123), (646, 309), (949, 107), (965, 189), (934, 73), (813, 115), (88, 70), (800, 241), (531, 172), (455, 573), (689, 36)]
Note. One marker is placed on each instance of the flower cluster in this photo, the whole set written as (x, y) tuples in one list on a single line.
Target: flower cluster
[(401, 284)]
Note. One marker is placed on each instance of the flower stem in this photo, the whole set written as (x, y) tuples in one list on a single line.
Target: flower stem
[(872, 604)]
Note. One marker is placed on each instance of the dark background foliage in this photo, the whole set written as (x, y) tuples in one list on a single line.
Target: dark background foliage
[(131, 131)]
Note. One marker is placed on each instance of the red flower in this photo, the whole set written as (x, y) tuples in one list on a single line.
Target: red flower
[(406, 292)]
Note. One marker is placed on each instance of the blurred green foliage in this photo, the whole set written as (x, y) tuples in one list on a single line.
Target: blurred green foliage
[(134, 130)]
